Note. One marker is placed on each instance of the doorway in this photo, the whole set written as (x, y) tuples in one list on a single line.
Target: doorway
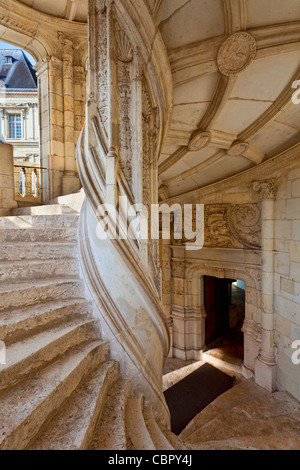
[(224, 301)]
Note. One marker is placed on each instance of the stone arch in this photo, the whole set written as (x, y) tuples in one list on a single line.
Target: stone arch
[(59, 76)]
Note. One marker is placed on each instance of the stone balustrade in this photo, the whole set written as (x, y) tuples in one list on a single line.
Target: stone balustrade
[(27, 182)]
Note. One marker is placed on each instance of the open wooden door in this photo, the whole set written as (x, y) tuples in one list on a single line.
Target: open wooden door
[(217, 300)]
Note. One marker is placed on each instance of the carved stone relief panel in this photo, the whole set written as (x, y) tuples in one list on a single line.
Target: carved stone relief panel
[(229, 226), (217, 229), (147, 144), (102, 62), (125, 58), (235, 226)]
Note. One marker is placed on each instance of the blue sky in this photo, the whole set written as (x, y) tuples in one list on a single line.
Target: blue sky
[(4, 45)]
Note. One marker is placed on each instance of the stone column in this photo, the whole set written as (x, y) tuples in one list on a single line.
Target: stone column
[(79, 100), (265, 364), (70, 179), (165, 260)]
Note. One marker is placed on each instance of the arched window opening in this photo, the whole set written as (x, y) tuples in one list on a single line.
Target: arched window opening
[(19, 118)]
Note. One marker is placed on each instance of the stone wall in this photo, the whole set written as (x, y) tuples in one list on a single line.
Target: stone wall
[(287, 280), (7, 201)]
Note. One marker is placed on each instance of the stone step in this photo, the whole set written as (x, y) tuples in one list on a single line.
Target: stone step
[(251, 443), (35, 269), (36, 352), (22, 322), (138, 437), (159, 439), (39, 235), (174, 440), (39, 221), (264, 408), (37, 251), (110, 433), (73, 201), (241, 393), (73, 427), (49, 209), (22, 294), (25, 408), (285, 425)]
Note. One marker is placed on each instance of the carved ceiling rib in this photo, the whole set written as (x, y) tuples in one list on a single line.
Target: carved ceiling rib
[(235, 14), (156, 7), (71, 9), (173, 159), (200, 57), (274, 168), (192, 171), (272, 112), (224, 88)]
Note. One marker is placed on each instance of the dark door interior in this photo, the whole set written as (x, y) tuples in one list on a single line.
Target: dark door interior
[(217, 300)]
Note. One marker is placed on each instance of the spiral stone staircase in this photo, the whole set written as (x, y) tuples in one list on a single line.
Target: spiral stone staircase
[(81, 317), (59, 388)]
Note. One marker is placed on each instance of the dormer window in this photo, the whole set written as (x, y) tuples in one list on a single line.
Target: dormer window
[(8, 59)]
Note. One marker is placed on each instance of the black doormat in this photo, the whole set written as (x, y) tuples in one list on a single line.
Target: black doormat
[(192, 394)]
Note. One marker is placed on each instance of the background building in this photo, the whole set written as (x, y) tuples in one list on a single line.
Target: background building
[(19, 115)]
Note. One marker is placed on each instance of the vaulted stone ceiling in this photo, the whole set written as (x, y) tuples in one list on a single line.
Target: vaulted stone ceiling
[(73, 10), (232, 97), (233, 65)]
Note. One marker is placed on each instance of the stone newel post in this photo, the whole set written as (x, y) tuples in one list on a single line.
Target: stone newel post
[(70, 178), (265, 366)]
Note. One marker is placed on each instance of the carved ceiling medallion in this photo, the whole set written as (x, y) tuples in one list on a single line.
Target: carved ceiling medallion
[(238, 148), (236, 53), (199, 141)]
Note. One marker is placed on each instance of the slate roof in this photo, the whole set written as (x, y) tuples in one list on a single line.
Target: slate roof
[(19, 74)]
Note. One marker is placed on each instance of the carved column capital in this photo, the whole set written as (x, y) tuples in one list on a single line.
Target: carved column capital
[(266, 188), (68, 45)]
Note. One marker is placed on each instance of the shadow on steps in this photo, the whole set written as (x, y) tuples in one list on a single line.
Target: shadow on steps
[(194, 393)]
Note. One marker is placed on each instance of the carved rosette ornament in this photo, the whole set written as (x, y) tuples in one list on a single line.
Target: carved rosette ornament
[(245, 224), (199, 141), (266, 188), (236, 53)]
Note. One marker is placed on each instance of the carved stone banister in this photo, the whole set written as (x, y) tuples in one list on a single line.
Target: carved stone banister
[(126, 119)]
